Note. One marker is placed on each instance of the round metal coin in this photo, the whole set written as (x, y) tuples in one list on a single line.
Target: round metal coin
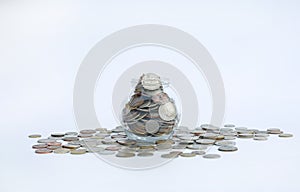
[(167, 111), (152, 126)]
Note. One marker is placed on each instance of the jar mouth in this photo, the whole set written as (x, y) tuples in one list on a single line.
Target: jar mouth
[(164, 81)]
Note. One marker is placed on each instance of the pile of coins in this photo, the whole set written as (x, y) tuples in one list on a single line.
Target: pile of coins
[(184, 143), (150, 111)]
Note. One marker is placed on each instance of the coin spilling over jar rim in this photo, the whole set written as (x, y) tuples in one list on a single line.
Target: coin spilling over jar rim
[(150, 112)]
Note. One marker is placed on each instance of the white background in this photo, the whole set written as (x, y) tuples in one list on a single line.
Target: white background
[(254, 43)]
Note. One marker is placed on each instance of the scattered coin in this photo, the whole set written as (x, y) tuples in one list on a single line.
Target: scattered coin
[(164, 146), (229, 125), (229, 138), (88, 131), (225, 143), (240, 128), (70, 138), (71, 146), (197, 147), (126, 142), (71, 133), (34, 136), (43, 151), (113, 148), (125, 154), (187, 154), (58, 134), (205, 141), (39, 146), (53, 147), (260, 138), (211, 156), (185, 142), (227, 148), (274, 131), (199, 152), (61, 151), (85, 135), (261, 135), (46, 140), (54, 143), (78, 151), (106, 152), (245, 135), (169, 155), (285, 135), (145, 154)]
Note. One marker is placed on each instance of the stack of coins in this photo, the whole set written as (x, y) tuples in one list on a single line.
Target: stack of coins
[(150, 111)]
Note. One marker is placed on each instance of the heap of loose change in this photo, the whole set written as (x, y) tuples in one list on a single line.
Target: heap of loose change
[(150, 111), (184, 143)]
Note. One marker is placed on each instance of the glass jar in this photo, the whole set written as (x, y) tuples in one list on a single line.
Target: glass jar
[(149, 114)]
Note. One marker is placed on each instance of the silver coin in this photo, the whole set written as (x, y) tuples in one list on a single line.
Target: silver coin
[(167, 111), (126, 142), (179, 146), (61, 151), (261, 135), (186, 142), (163, 146), (187, 154), (245, 135), (226, 130), (88, 131), (169, 141), (225, 143), (95, 149), (205, 141), (285, 135), (83, 135), (70, 146), (152, 93), (209, 127), (125, 154), (199, 152), (229, 138), (170, 155), (210, 135), (34, 136), (106, 152), (78, 151), (274, 131), (227, 148), (161, 98), (197, 147), (152, 126), (40, 146), (211, 156), (71, 133), (260, 138), (240, 128), (113, 148), (229, 125), (145, 154), (70, 138), (151, 81), (57, 134), (46, 140)]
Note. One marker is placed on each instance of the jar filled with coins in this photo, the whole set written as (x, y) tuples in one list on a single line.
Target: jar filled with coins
[(150, 114)]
